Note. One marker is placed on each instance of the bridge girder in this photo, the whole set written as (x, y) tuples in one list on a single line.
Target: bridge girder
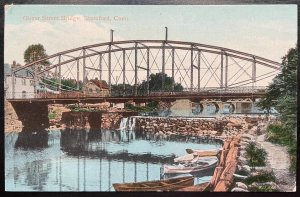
[(196, 66)]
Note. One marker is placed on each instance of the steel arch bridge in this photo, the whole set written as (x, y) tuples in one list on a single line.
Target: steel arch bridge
[(197, 67)]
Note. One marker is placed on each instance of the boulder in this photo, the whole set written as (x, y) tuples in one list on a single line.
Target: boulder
[(242, 160), (241, 185), (247, 136), (243, 153), (246, 140), (237, 189), (246, 169)]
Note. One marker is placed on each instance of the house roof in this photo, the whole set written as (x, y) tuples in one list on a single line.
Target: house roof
[(28, 72), (7, 70), (101, 84)]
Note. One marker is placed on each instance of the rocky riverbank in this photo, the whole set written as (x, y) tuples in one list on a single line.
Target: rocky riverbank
[(234, 172), (11, 121)]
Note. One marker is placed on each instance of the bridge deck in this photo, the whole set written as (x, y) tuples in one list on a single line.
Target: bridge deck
[(61, 99)]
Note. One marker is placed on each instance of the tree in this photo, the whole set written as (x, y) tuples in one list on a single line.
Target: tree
[(155, 83), (67, 84), (35, 52), (118, 90), (282, 93)]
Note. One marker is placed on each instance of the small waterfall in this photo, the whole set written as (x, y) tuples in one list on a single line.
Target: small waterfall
[(131, 125), (123, 124), (127, 126)]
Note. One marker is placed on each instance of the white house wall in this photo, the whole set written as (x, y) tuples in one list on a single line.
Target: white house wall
[(19, 88)]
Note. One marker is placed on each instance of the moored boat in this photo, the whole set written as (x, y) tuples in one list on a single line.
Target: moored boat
[(185, 158), (158, 185), (201, 164), (203, 153), (194, 155)]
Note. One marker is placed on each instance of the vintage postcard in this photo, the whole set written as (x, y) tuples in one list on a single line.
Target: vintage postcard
[(150, 98)]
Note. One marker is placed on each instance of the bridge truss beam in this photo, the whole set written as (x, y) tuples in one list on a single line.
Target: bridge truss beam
[(131, 63)]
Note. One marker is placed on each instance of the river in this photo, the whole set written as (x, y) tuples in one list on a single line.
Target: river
[(90, 160)]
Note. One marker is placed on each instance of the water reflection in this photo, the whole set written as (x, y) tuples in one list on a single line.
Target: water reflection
[(96, 143), (87, 160), (37, 174), (32, 140)]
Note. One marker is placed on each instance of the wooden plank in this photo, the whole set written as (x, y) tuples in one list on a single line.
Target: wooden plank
[(216, 176), (222, 186), (195, 188), (228, 172), (234, 143), (232, 155), (226, 144), (223, 158)]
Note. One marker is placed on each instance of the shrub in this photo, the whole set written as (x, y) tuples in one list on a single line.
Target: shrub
[(52, 115), (264, 188), (256, 156), (260, 178), (285, 136)]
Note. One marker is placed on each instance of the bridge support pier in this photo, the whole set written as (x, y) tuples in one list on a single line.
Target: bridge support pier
[(243, 107), (34, 116)]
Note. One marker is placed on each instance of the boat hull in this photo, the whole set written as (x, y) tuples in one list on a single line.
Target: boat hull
[(161, 185), (186, 170)]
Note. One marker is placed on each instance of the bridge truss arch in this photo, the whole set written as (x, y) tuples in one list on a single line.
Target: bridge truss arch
[(197, 67)]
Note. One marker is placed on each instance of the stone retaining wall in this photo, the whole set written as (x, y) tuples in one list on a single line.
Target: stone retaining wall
[(215, 127), (111, 120)]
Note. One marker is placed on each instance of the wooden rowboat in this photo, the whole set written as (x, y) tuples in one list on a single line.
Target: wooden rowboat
[(194, 155), (202, 164), (185, 158), (203, 153), (161, 185), (195, 188)]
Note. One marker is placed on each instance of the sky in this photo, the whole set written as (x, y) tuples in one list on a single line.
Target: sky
[(263, 30)]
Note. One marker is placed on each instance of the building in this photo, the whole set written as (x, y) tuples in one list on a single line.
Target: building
[(24, 83), (96, 87)]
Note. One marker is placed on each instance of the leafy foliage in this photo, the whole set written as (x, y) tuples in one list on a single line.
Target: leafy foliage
[(150, 107), (67, 84), (35, 52), (260, 178), (264, 188), (282, 94), (155, 83), (255, 155), (52, 115), (281, 135), (118, 90)]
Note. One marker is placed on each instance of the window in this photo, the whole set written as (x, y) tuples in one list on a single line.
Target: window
[(31, 83), (24, 82), (23, 94), (98, 90), (90, 90)]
